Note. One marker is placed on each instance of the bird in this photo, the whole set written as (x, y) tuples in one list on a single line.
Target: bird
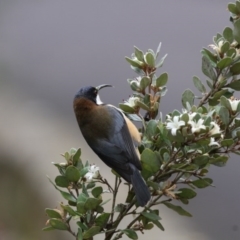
[(112, 136)]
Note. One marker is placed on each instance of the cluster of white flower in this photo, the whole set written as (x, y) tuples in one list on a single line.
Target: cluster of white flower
[(217, 47), (93, 172), (132, 101), (175, 123)]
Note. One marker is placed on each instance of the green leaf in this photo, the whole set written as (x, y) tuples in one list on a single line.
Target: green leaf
[(235, 69), (138, 53), (144, 82), (177, 209), (232, 8), (92, 203), (219, 161), (162, 80), (236, 30), (120, 207), (159, 225), (135, 86), (154, 185), (137, 70), (224, 115), (151, 129), (68, 196), (158, 65), (97, 191), (91, 185), (225, 62), (150, 161), (211, 57), (185, 118), (52, 213), (142, 105), (202, 183), (82, 225), (72, 174), (102, 220), (58, 224), (188, 96), (151, 216), (69, 210), (227, 142), (186, 193), (126, 108), (134, 117), (76, 157), (149, 59), (238, 6), (134, 62), (218, 38), (100, 209), (235, 85), (72, 151), (79, 235), (48, 228), (209, 84), (225, 47), (149, 226), (216, 96), (80, 208), (207, 68), (158, 49), (130, 233), (67, 156), (225, 102), (82, 197), (62, 181), (201, 161), (91, 232), (228, 34), (83, 171), (198, 84)]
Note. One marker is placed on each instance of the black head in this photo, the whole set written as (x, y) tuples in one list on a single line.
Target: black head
[(91, 93)]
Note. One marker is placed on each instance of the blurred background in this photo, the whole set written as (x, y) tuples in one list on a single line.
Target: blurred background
[(50, 49)]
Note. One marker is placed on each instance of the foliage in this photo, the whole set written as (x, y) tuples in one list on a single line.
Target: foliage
[(176, 153)]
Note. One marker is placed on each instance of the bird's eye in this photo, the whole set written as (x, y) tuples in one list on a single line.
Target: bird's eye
[(95, 92)]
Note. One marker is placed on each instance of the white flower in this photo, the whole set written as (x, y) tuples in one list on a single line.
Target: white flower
[(191, 116), (174, 124), (197, 126), (215, 129), (93, 172), (217, 47), (213, 143), (234, 104), (132, 101)]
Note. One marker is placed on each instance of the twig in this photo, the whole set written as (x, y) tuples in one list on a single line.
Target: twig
[(104, 181), (72, 193), (114, 197)]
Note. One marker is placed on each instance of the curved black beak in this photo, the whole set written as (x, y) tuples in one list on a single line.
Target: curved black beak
[(103, 86)]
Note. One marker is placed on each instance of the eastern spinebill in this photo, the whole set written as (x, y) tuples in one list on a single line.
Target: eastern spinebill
[(112, 136)]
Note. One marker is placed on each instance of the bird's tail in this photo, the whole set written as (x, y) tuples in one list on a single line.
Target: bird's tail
[(140, 188)]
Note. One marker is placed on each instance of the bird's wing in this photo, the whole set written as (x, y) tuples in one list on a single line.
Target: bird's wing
[(118, 149)]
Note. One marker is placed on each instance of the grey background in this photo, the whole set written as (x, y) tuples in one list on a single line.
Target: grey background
[(48, 50)]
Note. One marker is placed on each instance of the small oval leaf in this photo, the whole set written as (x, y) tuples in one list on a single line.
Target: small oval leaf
[(72, 174), (58, 224)]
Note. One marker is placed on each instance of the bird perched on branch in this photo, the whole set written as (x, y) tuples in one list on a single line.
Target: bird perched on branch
[(112, 136)]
